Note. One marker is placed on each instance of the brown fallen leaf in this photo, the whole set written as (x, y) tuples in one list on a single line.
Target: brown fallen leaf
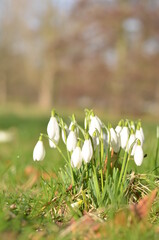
[(127, 217), (87, 227), (143, 207)]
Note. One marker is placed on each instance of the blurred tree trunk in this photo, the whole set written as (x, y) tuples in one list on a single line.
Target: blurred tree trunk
[(47, 86)]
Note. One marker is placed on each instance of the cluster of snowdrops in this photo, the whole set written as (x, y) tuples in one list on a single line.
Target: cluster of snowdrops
[(82, 142)]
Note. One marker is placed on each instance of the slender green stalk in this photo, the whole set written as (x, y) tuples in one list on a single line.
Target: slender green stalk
[(71, 170), (59, 150), (108, 160), (157, 151), (125, 171), (96, 184), (68, 161), (101, 158), (122, 169)]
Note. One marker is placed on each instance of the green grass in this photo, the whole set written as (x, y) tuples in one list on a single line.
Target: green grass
[(30, 210)]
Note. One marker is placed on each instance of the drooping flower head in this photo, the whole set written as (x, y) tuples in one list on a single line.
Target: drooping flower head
[(87, 149), (39, 150), (53, 130), (138, 155), (119, 126), (124, 135), (95, 124), (76, 157), (71, 139), (131, 142)]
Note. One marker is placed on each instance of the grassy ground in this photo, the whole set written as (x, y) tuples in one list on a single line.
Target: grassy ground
[(27, 192)]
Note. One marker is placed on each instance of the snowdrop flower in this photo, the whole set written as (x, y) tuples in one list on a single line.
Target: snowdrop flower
[(138, 135), (87, 150), (76, 158), (131, 141), (124, 135), (95, 125), (119, 127), (39, 150), (138, 155), (53, 131), (71, 140), (115, 143)]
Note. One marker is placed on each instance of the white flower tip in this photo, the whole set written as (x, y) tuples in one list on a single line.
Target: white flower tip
[(138, 155), (39, 151)]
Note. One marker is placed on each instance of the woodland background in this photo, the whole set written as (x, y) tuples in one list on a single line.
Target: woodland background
[(81, 53)]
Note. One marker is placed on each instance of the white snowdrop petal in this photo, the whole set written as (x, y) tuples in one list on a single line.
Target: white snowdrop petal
[(118, 129), (52, 143), (124, 135), (138, 155), (53, 128), (139, 136), (95, 125), (71, 141), (87, 151), (133, 149), (39, 151), (142, 133), (76, 158)]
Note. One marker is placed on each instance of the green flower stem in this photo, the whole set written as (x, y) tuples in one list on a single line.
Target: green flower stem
[(71, 170), (96, 184), (122, 169), (84, 200), (156, 156), (101, 158), (125, 170), (59, 150), (109, 160)]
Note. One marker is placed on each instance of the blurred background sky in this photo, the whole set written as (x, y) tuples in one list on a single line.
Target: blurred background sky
[(80, 53)]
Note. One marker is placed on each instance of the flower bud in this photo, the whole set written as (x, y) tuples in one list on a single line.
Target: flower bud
[(138, 155), (119, 127), (95, 125), (53, 131), (76, 158), (39, 151), (71, 141), (124, 135), (87, 151)]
